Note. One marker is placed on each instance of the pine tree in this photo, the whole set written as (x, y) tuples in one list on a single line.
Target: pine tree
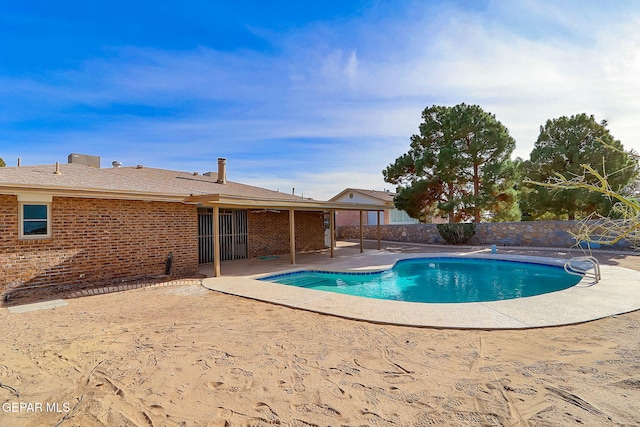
[(564, 145), (459, 165)]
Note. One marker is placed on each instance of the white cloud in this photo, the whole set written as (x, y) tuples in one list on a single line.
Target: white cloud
[(353, 90)]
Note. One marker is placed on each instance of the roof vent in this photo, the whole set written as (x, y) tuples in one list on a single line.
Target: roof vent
[(116, 164)]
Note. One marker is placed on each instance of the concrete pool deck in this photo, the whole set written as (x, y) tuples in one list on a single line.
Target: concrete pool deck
[(618, 292)]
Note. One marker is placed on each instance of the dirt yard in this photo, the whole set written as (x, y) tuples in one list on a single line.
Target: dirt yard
[(186, 356)]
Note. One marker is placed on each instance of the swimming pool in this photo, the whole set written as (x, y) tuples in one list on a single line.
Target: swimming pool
[(439, 280)]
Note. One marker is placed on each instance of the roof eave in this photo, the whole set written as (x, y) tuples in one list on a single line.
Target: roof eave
[(249, 202), (92, 193)]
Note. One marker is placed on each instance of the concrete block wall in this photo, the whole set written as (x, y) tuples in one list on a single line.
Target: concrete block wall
[(98, 241), (526, 233), (269, 232)]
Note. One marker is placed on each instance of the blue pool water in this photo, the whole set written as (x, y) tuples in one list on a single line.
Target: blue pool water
[(440, 280)]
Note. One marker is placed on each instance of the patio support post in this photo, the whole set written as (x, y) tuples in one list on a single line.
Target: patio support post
[(332, 232), (292, 236), (361, 235), (379, 230), (216, 241)]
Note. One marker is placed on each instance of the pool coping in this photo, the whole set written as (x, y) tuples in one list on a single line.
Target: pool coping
[(618, 292)]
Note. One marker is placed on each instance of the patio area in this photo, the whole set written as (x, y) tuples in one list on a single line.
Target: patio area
[(618, 292)]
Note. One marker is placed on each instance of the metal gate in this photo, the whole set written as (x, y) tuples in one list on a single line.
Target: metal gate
[(233, 234)]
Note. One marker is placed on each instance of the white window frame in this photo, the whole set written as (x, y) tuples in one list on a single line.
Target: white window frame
[(33, 199)]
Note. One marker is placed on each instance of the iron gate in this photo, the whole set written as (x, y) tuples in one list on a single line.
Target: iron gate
[(233, 234)]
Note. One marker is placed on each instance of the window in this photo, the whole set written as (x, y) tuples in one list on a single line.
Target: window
[(35, 220), (401, 217)]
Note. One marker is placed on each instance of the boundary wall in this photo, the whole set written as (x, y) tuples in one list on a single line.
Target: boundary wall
[(526, 233)]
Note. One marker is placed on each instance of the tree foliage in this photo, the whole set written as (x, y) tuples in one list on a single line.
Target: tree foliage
[(2, 163), (458, 165), (564, 146), (623, 220)]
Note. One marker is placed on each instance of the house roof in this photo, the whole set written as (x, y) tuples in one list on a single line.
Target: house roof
[(384, 196), (143, 183), (135, 181)]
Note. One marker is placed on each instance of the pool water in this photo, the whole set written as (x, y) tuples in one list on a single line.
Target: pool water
[(440, 280)]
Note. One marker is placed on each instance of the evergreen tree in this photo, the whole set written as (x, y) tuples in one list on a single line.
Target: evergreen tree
[(459, 165), (563, 146), (2, 163)]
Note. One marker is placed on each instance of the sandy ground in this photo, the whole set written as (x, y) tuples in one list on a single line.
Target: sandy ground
[(186, 356)]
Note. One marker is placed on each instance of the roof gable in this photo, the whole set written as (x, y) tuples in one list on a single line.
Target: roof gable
[(385, 197)]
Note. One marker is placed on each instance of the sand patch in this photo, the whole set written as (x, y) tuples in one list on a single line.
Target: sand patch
[(184, 356)]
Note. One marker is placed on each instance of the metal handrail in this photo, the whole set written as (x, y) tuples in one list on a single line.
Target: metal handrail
[(576, 271)]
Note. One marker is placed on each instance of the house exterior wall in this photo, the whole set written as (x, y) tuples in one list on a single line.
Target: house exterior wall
[(269, 232), (349, 218), (97, 241), (352, 217)]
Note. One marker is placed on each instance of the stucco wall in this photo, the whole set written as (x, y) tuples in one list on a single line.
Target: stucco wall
[(97, 241), (526, 233)]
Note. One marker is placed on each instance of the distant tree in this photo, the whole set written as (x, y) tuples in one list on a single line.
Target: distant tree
[(2, 163), (564, 145), (459, 165), (623, 221)]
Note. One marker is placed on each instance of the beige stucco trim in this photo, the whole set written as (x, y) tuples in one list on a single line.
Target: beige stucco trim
[(34, 197), (221, 200), (309, 205), (92, 194)]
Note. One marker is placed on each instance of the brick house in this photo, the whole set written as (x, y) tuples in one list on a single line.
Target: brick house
[(384, 198), (78, 224)]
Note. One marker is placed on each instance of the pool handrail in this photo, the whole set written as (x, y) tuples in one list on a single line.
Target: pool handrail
[(577, 271)]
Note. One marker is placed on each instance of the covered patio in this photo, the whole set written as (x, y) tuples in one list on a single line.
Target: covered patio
[(220, 201)]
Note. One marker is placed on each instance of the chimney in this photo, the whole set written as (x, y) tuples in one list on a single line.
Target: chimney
[(222, 171)]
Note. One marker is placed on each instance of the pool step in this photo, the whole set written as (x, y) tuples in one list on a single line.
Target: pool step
[(303, 281)]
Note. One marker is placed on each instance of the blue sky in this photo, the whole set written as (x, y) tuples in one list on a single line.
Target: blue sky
[(313, 95)]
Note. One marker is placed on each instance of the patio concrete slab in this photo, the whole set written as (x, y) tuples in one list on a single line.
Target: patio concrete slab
[(618, 292), (43, 305)]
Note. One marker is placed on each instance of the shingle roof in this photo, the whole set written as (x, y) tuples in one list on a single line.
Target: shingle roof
[(131, 180)]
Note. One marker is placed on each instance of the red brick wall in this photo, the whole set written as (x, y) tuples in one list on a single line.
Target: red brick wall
[(309, 230), (349, 218), (269, 232), (344, 218), (96, 241)]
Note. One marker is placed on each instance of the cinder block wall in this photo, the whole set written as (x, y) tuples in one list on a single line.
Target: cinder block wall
[(269, 232), (95, 241)]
